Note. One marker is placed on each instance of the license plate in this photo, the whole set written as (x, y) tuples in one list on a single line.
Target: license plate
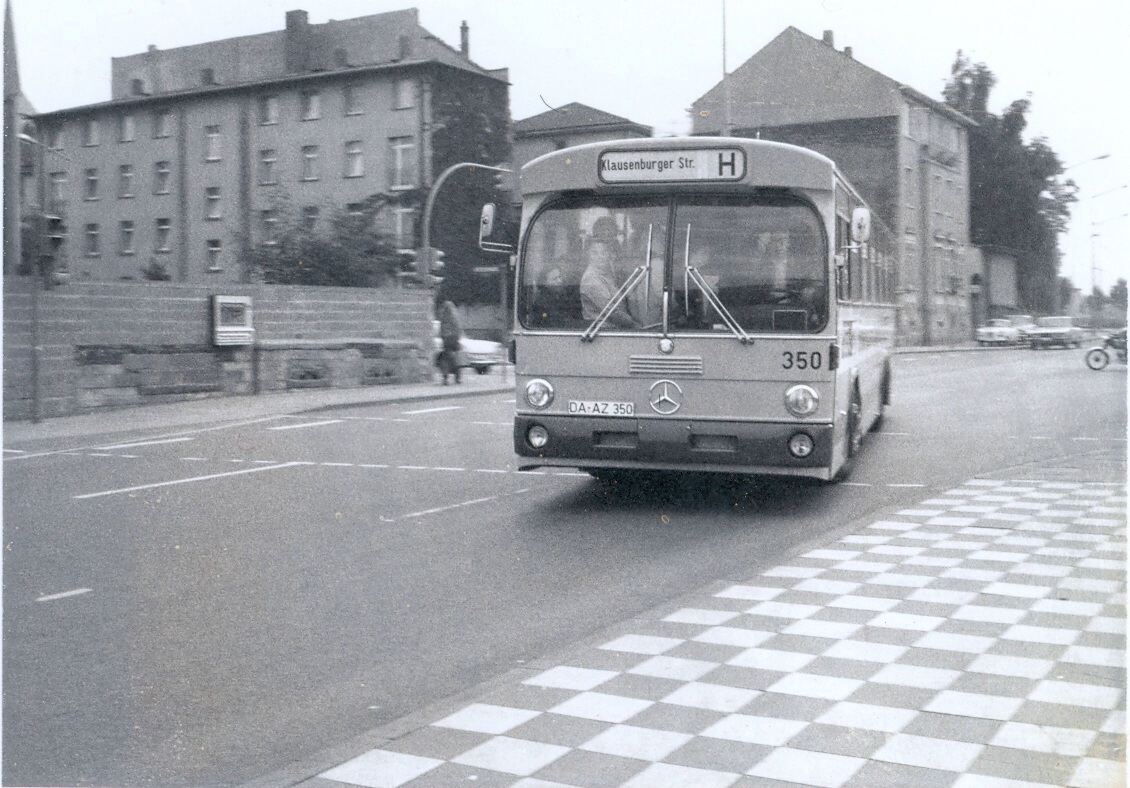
[(601, 408)]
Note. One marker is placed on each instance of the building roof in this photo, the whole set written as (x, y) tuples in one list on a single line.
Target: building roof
[(795, 79), (379, 41), (573, 118)]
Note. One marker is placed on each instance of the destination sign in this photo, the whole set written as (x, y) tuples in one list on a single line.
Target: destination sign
[(691, 164)]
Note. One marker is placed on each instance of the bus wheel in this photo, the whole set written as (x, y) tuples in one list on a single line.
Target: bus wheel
[(884, 400), (854, 437)]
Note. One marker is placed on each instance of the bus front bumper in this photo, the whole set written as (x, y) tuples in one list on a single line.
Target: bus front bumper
[(672, 444)]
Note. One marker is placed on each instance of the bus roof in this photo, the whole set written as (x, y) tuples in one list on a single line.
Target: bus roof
[(677, 162)]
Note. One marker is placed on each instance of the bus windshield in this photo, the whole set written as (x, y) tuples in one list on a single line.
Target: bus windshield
[(728, 264)]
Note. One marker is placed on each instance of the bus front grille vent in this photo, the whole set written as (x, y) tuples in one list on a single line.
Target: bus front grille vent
[(665, 366)]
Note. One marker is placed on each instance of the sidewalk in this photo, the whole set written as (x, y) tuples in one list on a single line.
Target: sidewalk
[(976, 640), (252, 406)]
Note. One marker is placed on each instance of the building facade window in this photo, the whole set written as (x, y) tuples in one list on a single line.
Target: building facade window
[(162, 124), (403, 161), (268, 160), (125, 181), (163, 236), (126, 129), (162, 177), (354, 160), (214, 250), (57, 188), (91, 184), (311, 105), (213, 142), (213, 208), (268, 110), (125, 237), (309, 162), (310, 215), (403, 227), (54, 138), (404, 94), (92, 235), (269, 225), (90, 132), (351, 100)]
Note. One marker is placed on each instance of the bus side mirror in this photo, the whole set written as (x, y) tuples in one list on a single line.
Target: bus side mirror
[(486, 229), (486, 221), (860, 225)]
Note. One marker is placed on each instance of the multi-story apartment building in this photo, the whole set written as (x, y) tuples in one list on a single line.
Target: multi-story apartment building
[(206, 149), (907, 153)]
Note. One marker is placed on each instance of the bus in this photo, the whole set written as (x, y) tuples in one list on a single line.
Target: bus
[(698, 305)]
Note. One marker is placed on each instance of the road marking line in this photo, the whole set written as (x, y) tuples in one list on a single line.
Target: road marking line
[(265, 462), (305, 424), (430, 410), (99, 454), (144, 443), (412, 467), (64, 594), (71, 451), (859, 484), (490, 470), (377, 465), (186, 481), (336, 464), (16, 451), (474, 502), (442, 468), (194, 459), (906, 485)]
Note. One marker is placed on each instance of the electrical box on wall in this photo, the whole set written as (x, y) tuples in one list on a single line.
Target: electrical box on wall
[(231, 320)]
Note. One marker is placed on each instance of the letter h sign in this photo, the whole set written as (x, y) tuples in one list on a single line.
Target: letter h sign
[(732, 164)]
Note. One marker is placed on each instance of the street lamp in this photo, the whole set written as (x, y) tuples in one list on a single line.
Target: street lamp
[(1088, 161)]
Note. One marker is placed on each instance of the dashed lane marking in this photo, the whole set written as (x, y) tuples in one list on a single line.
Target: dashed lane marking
[(305, 424), (187, 481), (144, 443), (64, 594), (463, 504), (430, 410)]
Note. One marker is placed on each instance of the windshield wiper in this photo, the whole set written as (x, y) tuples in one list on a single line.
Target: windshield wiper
[(692, 273), (642, 271)]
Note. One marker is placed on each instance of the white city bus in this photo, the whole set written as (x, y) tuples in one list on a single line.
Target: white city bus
[(698, 304)]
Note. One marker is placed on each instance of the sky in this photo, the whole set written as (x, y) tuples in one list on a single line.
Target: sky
[(648, 60)]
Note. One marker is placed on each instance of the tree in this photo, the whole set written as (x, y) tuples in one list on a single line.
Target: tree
[(1017, 199), (350, 252), (1118, 295)]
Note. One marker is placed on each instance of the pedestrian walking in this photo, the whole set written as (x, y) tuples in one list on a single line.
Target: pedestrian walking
[(450, 332)]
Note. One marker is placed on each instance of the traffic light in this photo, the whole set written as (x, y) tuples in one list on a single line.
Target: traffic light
[(422, 267)]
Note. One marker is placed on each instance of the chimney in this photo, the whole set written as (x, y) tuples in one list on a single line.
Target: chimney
[(829, 39), (847, 51), (465, 39), (152, 48), (297, 43)]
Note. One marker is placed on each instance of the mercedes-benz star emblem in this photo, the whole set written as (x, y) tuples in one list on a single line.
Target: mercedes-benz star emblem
[(666, 397)]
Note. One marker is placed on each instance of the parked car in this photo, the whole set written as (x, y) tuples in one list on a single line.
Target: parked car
[(478, 354), (1023, 323), (999, 331), (1060, 330)]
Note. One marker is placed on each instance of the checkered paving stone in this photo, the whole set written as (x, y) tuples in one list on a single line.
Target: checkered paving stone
[(977, 640)]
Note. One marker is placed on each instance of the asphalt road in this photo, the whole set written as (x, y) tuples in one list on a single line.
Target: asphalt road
[(203, 607)]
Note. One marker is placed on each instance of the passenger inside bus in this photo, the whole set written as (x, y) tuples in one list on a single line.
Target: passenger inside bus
[(608, 266)]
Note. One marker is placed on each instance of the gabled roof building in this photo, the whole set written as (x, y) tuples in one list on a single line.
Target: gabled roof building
[(907, 153), (564, 127)]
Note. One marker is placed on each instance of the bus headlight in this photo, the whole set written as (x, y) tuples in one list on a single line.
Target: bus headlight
[(539, 393), (537, 436), (801, 445), (802, 400)]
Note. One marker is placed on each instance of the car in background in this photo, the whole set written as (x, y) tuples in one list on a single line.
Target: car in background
[(1011, 330), (478, 354), (999, 331), (1055, 331)]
